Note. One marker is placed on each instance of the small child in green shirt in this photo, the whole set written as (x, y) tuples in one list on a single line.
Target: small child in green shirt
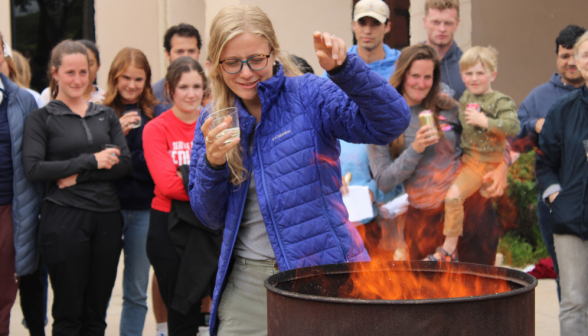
[(487, 118)]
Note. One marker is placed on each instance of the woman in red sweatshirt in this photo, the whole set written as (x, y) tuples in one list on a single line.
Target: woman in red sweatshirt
[(167, 142)]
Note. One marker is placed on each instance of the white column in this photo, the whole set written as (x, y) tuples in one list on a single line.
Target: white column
[(5, 21)]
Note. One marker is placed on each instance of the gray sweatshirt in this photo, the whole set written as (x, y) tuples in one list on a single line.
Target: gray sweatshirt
[(426, 176)]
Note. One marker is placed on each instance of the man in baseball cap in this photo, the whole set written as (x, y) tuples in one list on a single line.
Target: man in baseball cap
[(370, 24), (371, 21)]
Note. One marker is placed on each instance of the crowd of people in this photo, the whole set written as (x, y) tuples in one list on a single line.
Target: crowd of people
[(215, 210)]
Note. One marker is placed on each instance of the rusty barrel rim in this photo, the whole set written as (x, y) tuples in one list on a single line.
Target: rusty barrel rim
[(527, 281)]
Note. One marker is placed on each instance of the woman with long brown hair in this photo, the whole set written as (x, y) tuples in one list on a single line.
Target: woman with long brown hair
[(93, 93), (183, 252), (130, 95), (426, 160), (79, 150)]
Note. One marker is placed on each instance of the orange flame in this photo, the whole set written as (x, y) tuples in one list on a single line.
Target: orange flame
[(370, 281)]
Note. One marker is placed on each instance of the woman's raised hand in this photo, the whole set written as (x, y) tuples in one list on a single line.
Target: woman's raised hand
[(216, 148), (330, 50), (107, 158), (425, 137)]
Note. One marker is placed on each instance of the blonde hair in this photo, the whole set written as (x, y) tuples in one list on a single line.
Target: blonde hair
[(441, 5), (488, 56), (23, 69), (579, 42), (229, 23), (12, 73)]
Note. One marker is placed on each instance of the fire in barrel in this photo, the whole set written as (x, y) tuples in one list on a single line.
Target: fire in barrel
[(401, 298)]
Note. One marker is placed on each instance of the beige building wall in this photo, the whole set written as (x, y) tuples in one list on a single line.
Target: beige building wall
[(525, 38), (212, 8), (5, 21), (294, 23), (129, 23), (463, 35), (186, 11)]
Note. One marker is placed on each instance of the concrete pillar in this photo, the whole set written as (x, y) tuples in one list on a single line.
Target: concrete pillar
[(5, 21)]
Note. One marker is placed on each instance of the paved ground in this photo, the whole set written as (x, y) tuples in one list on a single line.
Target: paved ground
[(546, 312), (112, 317)]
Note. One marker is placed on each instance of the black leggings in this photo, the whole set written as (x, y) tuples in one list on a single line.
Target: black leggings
[(33, 300), (81, 250), (166, 264), (423, 231)]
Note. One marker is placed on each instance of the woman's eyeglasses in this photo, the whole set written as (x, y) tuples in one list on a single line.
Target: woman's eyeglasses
[(255, 63)]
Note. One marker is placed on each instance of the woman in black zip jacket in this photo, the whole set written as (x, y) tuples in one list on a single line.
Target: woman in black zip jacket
[(81, 224)]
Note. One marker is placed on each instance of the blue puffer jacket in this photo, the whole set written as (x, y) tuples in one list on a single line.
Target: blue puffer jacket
[(296, 165), (27, 196)]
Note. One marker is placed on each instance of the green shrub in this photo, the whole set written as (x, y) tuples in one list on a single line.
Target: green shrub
[(519, 253), (521, 243)]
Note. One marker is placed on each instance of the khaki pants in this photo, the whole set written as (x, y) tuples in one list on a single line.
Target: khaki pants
[(468, 182), (243, 305)]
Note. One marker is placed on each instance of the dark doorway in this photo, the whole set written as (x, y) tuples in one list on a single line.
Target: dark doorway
[(399, 35), (38, 25)]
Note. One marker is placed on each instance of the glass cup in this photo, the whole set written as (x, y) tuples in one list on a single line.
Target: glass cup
[(108, 146), (137, 123), (585, 142), (230, 116)]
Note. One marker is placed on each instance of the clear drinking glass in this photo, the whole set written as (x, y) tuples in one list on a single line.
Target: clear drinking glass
[(136, 124), (108, 146), (585, 142), (230, 116)]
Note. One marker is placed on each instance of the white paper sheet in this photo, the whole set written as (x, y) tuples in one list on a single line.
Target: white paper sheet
[(358, 203)]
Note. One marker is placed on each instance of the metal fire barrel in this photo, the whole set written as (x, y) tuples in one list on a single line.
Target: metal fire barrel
[(306, 301)]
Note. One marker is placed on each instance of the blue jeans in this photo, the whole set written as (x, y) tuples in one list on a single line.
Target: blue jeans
[(547, 233), (136, 273)]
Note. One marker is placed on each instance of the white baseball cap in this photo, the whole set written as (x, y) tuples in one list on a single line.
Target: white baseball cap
[(372, 8)]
